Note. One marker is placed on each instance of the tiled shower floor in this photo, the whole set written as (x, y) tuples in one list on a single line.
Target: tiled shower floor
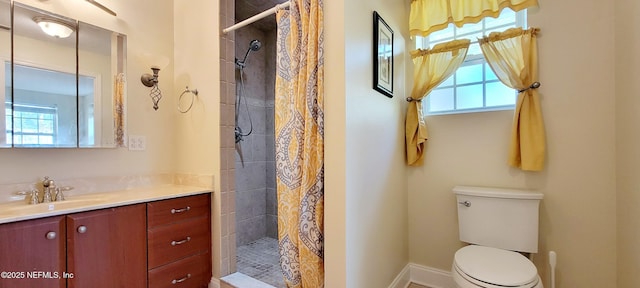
[(260, 260)]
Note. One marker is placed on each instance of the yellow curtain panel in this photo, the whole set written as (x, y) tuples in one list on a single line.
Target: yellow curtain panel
[(299, 132), (513, 57), (431, 67), (428, 16)]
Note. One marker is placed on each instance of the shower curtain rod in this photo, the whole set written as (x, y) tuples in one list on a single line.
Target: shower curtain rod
[(256, 17)]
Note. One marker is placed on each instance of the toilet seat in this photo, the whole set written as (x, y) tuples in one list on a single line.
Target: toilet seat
[(491, 267)]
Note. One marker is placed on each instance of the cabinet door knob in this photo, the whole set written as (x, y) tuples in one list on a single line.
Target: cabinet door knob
[(51, 235), (82, 229)]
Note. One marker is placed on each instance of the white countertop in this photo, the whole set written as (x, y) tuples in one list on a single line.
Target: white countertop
[(21, 210)]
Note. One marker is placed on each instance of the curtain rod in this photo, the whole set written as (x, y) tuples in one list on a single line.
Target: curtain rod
[(256, 17)]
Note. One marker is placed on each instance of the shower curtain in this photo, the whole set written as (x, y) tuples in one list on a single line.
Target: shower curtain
[(299, 129)]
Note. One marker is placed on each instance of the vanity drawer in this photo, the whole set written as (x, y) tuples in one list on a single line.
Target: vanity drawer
[(175, 210), (173, 242), (190, 272)]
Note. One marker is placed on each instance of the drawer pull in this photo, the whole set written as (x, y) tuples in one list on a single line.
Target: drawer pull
[(176, 281), (174, 243), (176, 211)]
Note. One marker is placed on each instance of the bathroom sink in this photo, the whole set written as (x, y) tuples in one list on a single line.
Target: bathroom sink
[(22, 208)]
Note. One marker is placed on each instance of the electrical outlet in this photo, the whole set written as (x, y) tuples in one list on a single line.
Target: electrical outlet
[(142, 143), (137, 143)]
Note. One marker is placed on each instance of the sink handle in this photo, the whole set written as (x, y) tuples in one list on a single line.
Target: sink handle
[(59, 196), (33, 198)]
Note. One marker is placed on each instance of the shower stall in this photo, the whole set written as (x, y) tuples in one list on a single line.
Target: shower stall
[(256, 200)]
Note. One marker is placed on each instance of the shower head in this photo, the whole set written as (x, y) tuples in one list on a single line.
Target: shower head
[(254, 46)]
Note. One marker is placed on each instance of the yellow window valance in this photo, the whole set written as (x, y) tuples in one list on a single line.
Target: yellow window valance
[(428, 16)]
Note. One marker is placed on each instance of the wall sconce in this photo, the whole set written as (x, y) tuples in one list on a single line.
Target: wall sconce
[(152, 81), (54, 27)]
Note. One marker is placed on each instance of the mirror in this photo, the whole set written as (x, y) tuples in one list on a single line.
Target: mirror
[(44, 81), (6, 117), (61, 89), (101, 62)]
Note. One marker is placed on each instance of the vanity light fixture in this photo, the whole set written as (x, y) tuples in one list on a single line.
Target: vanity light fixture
[(54, 27), (152, 81)]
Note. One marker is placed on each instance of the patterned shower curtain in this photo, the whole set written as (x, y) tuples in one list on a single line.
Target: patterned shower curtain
[(299, 129)]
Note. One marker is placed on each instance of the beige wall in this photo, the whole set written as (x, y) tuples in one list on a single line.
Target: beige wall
[(198, 60), (335, 229), (366, 205), (150, 32), (627, 141), (578, 213)]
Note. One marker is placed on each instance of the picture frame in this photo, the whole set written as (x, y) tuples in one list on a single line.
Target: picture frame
[(382, 56)]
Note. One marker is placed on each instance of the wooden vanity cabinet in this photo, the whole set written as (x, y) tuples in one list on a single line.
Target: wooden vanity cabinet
[(158, 244), (107, 248), (179, 235), (35, 245)]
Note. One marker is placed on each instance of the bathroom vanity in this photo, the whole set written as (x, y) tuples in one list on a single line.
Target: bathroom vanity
[(143, 239)]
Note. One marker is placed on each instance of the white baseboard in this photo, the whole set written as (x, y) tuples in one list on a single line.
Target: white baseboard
[(431, 277), (403, 279), (214, 283), (423, 275), (243, 281)]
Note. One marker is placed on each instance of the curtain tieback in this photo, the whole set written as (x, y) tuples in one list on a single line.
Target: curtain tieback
[(411, 99), (534, 85)]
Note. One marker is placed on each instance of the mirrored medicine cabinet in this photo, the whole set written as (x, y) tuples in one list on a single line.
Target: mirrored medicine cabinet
[(63, 81)]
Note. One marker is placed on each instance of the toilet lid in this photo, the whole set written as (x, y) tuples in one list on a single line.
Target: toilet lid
[(495, 266)]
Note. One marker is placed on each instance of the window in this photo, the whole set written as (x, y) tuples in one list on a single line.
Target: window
[(32, 125), (8, 126), (473, 87)]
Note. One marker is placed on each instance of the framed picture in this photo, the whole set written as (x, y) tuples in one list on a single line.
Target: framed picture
[(382, 56)]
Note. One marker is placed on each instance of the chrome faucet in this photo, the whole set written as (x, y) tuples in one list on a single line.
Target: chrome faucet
[(47, 185), (50, 192)]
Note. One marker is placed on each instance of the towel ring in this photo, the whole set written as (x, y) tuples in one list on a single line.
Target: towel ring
[(193, 93)]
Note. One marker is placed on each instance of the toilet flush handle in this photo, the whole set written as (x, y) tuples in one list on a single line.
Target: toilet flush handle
[(465, 203)]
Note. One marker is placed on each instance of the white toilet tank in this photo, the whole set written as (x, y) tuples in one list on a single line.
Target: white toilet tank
[(498, 217)]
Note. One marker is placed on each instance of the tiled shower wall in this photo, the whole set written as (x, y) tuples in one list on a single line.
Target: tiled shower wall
[(227, 166), (255, 154), (270, 78)]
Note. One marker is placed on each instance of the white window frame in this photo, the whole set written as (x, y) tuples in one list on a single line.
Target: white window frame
[(424, 43), (41, 110)]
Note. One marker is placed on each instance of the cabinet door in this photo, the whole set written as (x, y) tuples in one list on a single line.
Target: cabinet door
[(33, 253), (108, 248)]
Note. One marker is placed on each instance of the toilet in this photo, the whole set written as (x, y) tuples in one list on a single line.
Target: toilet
[(498, 224)]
